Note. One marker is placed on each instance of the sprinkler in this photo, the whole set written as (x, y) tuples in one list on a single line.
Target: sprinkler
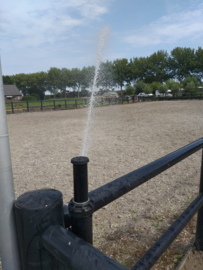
[(81, 207)]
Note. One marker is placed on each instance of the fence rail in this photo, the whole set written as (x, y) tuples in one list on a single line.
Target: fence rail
[(61, 104), (65, 104), (56, 236)]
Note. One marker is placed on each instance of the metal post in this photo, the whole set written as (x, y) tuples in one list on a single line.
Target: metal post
[(199, 231), (133, 99), (41, 106), (65, 104), (36, 211), (76, 103), (12, 107), (81, 207), (27, 106), (8, 240)]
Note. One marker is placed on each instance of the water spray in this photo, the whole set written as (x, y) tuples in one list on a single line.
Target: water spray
[(85, 145)]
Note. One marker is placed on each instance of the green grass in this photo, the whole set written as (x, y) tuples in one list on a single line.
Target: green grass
[(45, 103)]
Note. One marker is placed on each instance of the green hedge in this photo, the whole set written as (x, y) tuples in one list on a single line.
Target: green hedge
[(29, 98)]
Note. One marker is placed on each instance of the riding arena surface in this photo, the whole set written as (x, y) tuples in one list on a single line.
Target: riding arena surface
[(123, 138)]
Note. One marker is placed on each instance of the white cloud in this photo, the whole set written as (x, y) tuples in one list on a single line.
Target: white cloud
[(169, 29), (33, 23)]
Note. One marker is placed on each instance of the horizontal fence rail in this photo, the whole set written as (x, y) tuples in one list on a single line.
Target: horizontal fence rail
[(74, 252), (155, 252), (72, 249), (113, 190)]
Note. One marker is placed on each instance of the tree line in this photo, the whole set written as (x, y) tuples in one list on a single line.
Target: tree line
[(182, 67)]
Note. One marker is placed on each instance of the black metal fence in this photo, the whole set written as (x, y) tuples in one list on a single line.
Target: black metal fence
[(65, 104), (56, 236), (61, 104), (162, 98)]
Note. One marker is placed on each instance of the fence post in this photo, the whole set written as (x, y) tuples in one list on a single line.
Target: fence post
[(199, 231), (12, 107), (76, 105), (65, 104), (41, 106), (54, 104), (81, 207), (27, 106), (36, 211)]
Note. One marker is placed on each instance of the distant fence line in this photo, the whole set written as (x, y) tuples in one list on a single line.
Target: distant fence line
[(67, 104)]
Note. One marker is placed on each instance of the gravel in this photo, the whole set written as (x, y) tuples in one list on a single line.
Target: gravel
[(123, 138)]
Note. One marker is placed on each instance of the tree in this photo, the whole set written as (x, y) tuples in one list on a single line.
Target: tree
[(106, 75), (190, 88), (199, 63), (65, 80), (121, 72), (157, 65), (53, 82), (190, 79), (142, 87), (37, 83), (80, 79), (155, 86), (138, 68), (173, 86), (7, 79), (130, 90), (175, 89), (182, 63), (163, 89)]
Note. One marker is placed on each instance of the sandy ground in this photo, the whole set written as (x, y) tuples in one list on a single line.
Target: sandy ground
[(123, 138)]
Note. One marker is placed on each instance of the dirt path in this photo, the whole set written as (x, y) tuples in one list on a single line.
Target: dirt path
[(124, 138)]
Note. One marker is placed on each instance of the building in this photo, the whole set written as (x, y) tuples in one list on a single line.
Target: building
[(111, 94), (11, 93)]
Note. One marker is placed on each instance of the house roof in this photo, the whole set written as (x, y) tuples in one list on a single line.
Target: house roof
[(11, 90), (112, 93)]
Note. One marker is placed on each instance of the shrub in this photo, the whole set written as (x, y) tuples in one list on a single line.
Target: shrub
[(29, 98)]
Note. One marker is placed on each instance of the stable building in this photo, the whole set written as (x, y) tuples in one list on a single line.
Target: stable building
[(11, 93)]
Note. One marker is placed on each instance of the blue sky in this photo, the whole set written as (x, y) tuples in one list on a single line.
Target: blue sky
[(37, 35)]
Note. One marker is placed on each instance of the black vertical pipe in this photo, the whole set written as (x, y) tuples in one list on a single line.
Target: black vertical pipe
[(12, 107), (80, 180), (81, 208), (41, 106), (36, 211), (65, 104), (27, 106), (199, 231)]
